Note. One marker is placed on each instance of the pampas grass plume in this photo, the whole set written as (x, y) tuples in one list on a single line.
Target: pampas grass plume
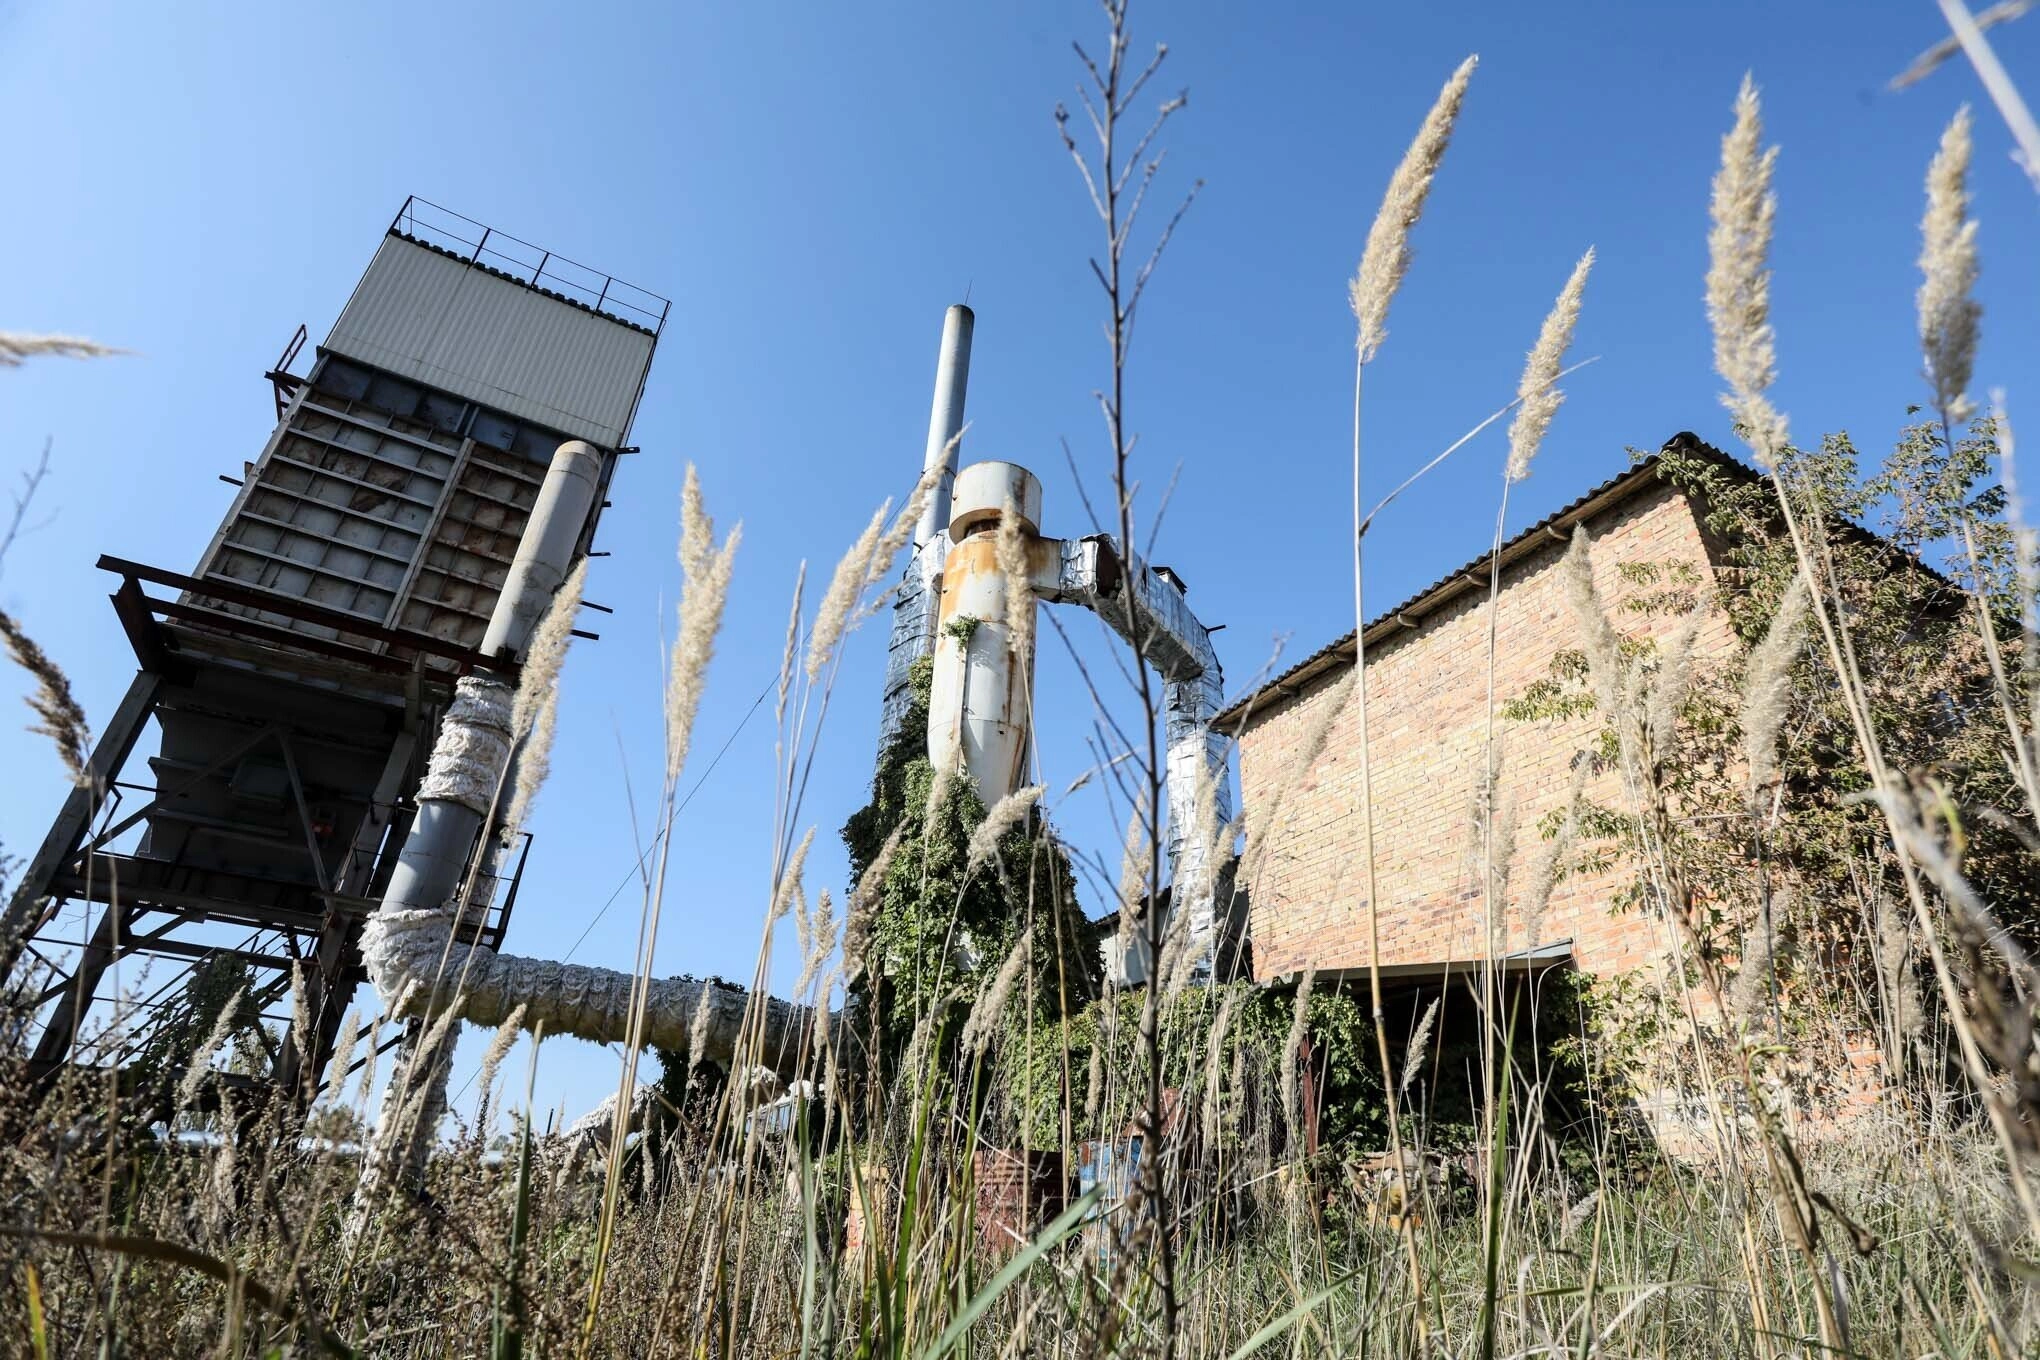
[(705, 591), (1385, 260), (983, 1021), (790, 887), (499, 1048), (202, 1056), (62, 718), (1006, 814), (1949, 312), (846, 587), (1742, 213), (1767, 688), (16, 346), (1299, 1023), (1538, 390), (1413, 1059), (1011, 552)]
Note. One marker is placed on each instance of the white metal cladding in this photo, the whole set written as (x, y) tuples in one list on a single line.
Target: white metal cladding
[(437, 319)]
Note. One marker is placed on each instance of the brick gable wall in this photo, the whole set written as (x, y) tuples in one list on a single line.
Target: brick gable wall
[(1427, 690)]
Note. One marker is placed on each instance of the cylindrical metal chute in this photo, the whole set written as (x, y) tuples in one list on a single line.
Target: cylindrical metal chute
[(978, 699)]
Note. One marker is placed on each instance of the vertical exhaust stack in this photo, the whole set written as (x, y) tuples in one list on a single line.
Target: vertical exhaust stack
[(914, 613)]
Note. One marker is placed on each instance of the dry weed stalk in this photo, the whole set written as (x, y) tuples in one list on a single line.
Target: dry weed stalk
[(16, 346), (59, 715)]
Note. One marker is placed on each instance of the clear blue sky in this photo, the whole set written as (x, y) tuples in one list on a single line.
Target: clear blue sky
[(812, 186)]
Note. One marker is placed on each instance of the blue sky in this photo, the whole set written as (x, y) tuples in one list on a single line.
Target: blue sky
[(812, 185)]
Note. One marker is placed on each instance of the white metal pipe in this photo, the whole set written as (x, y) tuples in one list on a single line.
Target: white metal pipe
[(945, 418), (914, 609), (546, 551)]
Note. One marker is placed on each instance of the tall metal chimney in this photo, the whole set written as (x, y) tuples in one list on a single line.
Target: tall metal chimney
[(913, 630)]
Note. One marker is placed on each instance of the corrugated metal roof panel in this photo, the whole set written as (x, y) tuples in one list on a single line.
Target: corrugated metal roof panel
[(430, 316)]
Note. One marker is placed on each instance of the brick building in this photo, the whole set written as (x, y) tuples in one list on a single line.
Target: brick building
[(1427, 662)]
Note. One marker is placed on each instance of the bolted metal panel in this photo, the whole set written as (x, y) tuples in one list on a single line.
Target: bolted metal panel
[(389, 519), (429, 315)]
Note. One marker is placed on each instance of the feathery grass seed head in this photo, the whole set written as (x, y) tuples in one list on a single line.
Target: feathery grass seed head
[(1949, 312), (1538, 391), (1010, 549), (16, 346), (1386, 257), (202, 1056), (983, 1021), (1767, 686), (62, 719), (846, 587), (789, 888), (910, 515), (1742, 214), (792, 642), (546, 652), (499, 1048), (706, 571), (1673, 682), (1299, 1025), (1006, 814), (1413, 1057)]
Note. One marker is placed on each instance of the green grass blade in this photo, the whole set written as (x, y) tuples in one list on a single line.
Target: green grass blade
[(1050, 1236)]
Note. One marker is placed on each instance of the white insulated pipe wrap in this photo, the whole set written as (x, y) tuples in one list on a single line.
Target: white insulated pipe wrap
[(407, 942), (473, 747)]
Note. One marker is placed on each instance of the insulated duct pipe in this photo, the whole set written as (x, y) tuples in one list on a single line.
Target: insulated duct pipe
[(1147, 607), (457, 792), (408, 945), (913, 627)]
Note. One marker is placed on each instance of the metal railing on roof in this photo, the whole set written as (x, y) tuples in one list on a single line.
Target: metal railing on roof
[(534, 266)]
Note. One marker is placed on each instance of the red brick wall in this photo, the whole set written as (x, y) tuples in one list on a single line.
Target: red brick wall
[(1427, 691)]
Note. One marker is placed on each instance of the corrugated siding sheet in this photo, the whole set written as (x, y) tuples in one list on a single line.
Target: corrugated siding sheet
[(435, 319)]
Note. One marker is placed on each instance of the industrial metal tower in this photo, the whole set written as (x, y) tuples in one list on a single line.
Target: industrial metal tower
[(290, 687)]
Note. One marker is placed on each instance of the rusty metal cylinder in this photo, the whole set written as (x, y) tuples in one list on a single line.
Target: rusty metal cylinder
[(981, 691)]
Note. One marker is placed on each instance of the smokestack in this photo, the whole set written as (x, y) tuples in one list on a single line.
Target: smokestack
[(945, 419), (913, 628)]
